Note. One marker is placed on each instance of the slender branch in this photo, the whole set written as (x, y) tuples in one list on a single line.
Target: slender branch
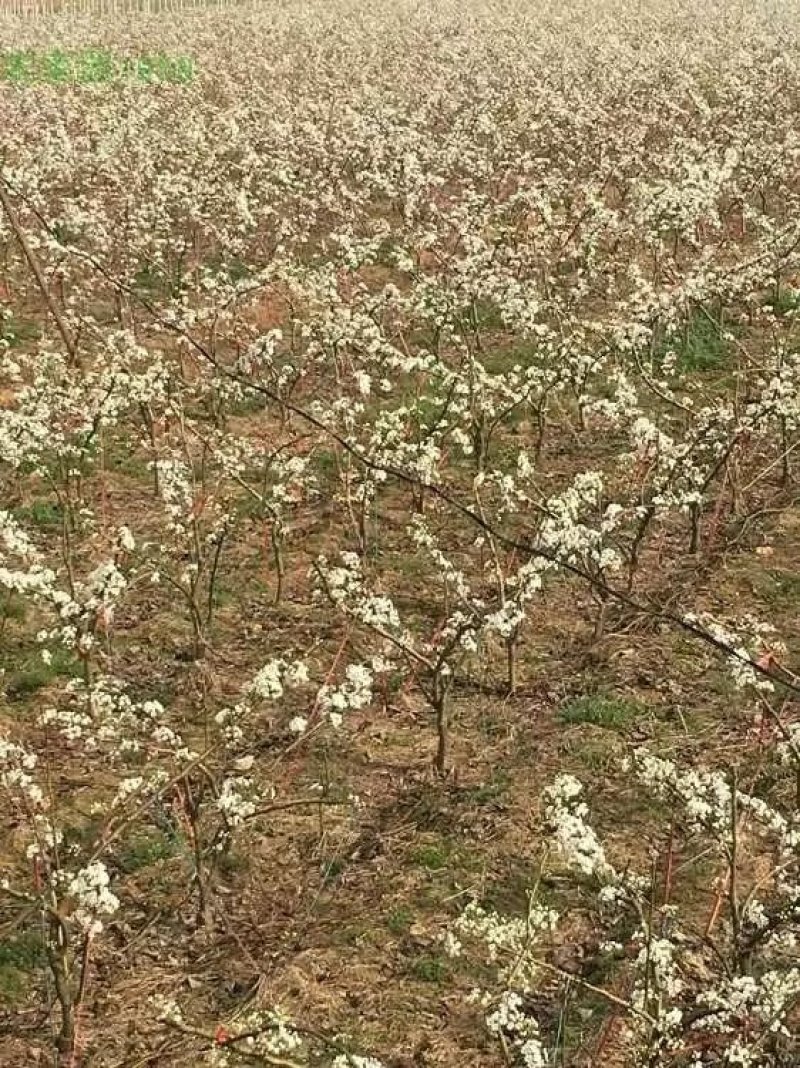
[(35, 267), (212, 1040)]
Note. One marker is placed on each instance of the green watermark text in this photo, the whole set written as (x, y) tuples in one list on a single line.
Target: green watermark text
[(92, 65)]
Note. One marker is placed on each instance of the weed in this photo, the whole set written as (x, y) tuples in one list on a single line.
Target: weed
[(782, 587), (699, 346), (596, 751), (488, 315), (399, 920), (233, 862), (147, 849), (128, 463), (433, 857), (236, 270), (486, 792), (510, 892), (332, 870), (784, 301), (16, 331), (324, 463), (250, 404), (12, 607), (429, 969), (34, 674), (609, 712), (504, 358), (45, 514), (20, 954)]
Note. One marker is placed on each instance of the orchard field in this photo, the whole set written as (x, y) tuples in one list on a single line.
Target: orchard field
[(399, 535)]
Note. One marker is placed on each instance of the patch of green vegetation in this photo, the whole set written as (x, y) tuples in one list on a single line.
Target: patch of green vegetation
[(332, 870), (399, 920), (158, 281), (250, 404), (147, 848), (359, 933), (16, 331), (34, 674), (487, 313), (81, 832), (148, 278), (699, 345), (249, 508), (48, 515), (492, 723), (224, 595), (20, 954), (597, 751), (232, 861), (324, 463), (695, 877), (433, 856), (703, 348), (430, 968), (780, 587), (510, 893), (353, 1042), (576, 1024), (721, 683), (486, 792), (394, 682), (427, 410), (386, 253), (500, 359), (12, 606), (227, 269), (785, 300), (427, 808), (129, 463), (610, 712)]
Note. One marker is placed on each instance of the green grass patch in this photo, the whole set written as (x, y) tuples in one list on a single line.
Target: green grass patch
[(232, 270), (596, 752), (433, 856), (48, 515), (13, 606), (785, 300), (610, 712), (17, 331), (20, 954), (699, 345), (159, 281), (146, 849), (487, 315), (500, 359), (251, 404), (399, 920), (324, 464), (133, 464), (487, 792), (509, 892), (781, 588), (33, 674), (429, 968), (332, 870)]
